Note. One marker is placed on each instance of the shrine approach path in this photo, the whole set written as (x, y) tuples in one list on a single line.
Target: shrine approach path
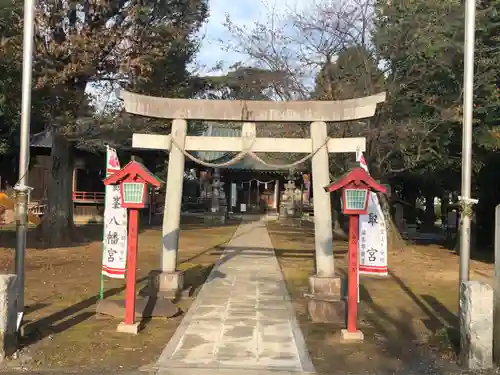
[(242, 321)]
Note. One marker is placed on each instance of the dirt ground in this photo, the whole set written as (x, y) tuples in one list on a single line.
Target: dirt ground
[(62, 289), (409, 318)]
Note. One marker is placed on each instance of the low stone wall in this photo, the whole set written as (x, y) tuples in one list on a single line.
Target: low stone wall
[(214, 218), (8, 316)]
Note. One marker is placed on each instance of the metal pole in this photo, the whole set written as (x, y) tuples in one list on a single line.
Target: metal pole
[(465, 233), (496, 290), (466, 201), (151, 197), (21, 187)]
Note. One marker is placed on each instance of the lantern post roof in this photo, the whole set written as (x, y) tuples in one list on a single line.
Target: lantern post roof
[(133, 170), (356, 177)]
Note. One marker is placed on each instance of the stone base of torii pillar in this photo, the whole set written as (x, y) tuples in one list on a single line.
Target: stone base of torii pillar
[(325, 300), (168, 285)]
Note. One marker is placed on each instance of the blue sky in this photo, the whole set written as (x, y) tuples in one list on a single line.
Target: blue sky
[(242, 13)]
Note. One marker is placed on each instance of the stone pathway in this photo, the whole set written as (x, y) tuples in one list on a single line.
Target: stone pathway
[(242, 321)]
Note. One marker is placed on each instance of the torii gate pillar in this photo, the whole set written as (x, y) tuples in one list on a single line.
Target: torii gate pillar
[(323, 235), (170, 279), (325, 299)]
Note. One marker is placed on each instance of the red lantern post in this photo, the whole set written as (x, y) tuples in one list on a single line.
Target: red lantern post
[(133, 180), (356, 187), (352, 299), (133, 225)]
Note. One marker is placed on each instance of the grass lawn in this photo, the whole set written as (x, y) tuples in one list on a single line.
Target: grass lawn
[(409, 318), (62, 288)]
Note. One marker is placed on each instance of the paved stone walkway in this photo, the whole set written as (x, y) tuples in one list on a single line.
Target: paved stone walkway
[(242, 319)]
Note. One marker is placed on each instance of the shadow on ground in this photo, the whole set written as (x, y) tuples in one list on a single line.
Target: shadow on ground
[(282, 253), (393, 343), (399, 339), (64, 319), (449, 241), (194, 277)]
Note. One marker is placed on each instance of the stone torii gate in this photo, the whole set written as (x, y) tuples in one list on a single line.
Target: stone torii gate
[(249, 112)]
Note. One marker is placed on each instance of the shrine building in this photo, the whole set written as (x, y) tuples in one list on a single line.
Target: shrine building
[(248, 185)]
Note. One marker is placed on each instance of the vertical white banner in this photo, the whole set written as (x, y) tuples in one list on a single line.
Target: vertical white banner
[(234, 197), (114, 255), (372, 236)]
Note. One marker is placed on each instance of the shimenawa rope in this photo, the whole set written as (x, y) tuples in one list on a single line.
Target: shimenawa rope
[(246, 152)]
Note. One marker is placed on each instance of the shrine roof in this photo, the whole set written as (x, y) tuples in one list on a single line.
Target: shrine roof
[(247, 163), (215, 130)]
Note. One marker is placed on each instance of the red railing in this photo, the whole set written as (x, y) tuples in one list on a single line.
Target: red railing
[(88, 197)]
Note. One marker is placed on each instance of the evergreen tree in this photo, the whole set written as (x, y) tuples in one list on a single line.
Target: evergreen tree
[(145, 45)]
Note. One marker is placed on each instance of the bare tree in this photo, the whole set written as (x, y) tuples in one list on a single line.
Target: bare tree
[(328, 52), (300, 41)]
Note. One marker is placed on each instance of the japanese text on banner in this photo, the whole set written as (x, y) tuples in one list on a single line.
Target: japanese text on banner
[(373, 239), (114, 257), (372, 236)]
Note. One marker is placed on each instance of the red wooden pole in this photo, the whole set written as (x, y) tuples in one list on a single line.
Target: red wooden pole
[(131, 266), (352, 301)]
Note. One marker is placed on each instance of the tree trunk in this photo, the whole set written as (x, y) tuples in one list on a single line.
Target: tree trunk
[(411, 213), (57, 225), (394, 238), (430, 211)]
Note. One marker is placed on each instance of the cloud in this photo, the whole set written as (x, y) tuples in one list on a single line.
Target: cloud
[(243, 13)]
